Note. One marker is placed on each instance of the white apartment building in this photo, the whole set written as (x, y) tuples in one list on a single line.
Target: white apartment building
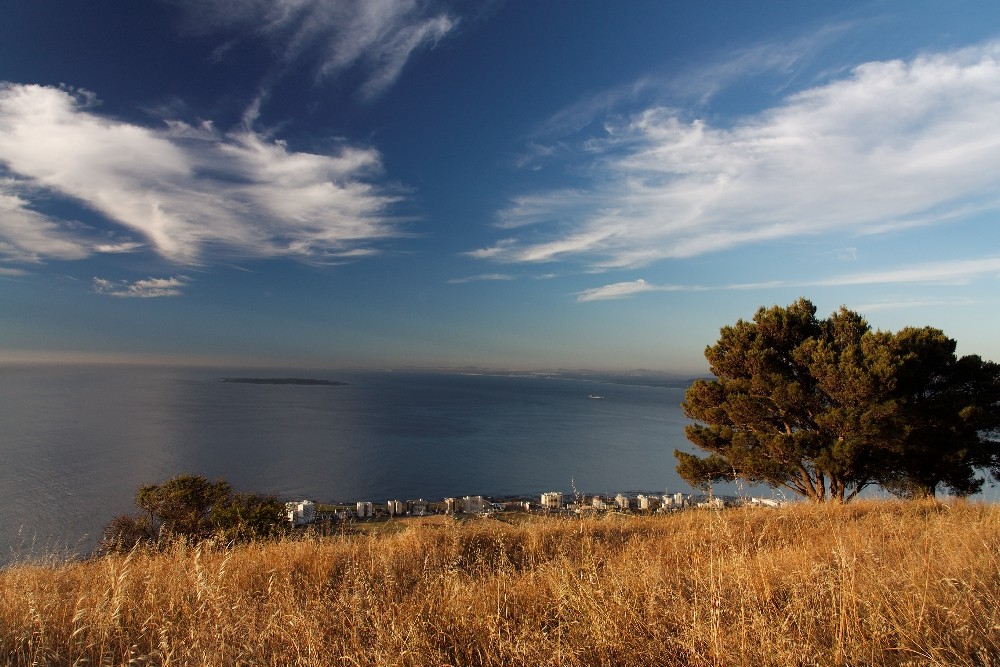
[(552, 500), (473, 504), (300, 512)]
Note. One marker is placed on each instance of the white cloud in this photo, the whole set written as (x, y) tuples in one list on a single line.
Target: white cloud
[(847, 254), (622, 290), (697, 84), (186, 191), (141, 289), (498, 250), (480, 277), (907, 304), (377, 36), (893, 144), (955, 272), (117, 248), (29, 236)]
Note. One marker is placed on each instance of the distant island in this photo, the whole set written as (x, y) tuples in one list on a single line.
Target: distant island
[(311, 382)]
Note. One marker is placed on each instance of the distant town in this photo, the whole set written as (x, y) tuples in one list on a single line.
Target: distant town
[(306, 512)]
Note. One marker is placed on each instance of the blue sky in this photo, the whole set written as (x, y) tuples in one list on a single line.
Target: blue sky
[(521, 185)]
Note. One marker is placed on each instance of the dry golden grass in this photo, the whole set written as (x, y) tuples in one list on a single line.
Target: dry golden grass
[(870, 583)]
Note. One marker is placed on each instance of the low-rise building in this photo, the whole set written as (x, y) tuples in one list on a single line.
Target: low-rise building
[(473, 504), (395, 508), (365, 509), (622, 502), (417, 507), (552, 500), (598, 503)]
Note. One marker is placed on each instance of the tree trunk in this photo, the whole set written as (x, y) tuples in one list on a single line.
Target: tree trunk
[(836, 490)]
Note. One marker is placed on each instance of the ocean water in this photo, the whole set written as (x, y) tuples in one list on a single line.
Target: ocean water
[(76, 442)]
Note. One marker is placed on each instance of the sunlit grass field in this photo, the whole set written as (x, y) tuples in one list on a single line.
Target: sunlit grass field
[(868, 583)]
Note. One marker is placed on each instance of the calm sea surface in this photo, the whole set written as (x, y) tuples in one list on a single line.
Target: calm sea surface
[(76, 442)]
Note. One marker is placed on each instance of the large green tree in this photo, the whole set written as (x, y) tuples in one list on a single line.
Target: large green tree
[(949, 412), (826, 407)]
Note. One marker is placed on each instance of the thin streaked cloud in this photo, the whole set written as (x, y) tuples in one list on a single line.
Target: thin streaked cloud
[(956, 272), (912, 304), (694, 87), (481, 277), (626, 289), (375, 37)]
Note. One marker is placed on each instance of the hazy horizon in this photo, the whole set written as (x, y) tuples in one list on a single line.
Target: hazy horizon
[(63, 358)]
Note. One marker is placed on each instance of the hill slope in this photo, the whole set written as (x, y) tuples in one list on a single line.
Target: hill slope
[(866, 583)]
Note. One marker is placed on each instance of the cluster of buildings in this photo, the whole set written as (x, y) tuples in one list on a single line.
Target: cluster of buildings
[(303, 512)]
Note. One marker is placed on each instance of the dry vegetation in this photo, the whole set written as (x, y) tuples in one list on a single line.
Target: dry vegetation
[(873, 583)]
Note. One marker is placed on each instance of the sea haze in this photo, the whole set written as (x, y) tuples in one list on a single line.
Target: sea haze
[(77, 442)]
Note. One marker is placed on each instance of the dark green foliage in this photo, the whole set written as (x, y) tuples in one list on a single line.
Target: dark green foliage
[(192, 508), (181, 506), (125, 532), (245, 517), (827, 407), (950, 410)]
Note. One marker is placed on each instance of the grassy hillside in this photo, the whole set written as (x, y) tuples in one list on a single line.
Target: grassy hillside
[(870, 583)]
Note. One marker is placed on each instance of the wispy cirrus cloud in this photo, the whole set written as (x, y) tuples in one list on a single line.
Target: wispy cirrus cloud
[(891, 144), (624, 290), (188, 192), (481, 277), (907, 304), (148, 288), (378, 37), (952, 272), (773, 65)]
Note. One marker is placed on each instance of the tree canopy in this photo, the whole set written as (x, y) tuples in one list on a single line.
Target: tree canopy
[(193, 508), (826, 407), (182, 505)]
